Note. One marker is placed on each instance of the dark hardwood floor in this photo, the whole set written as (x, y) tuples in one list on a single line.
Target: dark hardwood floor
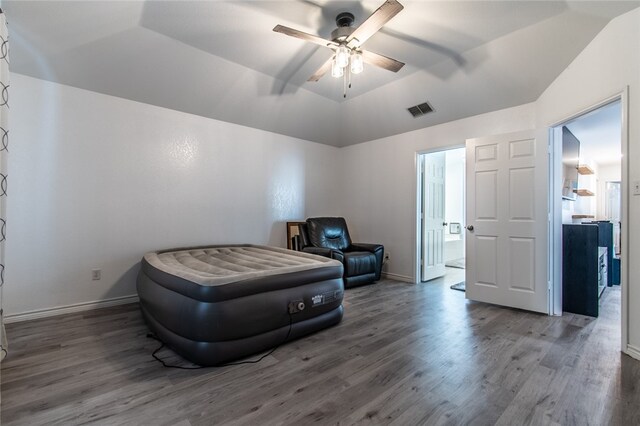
[(404, 354)]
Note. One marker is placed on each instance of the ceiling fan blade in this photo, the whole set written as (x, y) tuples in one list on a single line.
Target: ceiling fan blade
[(381, 61), (381, 16), (303, 36), (322, 70)]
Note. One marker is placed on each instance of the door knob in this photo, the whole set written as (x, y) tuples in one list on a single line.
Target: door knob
[(470, 228), (444, 223)]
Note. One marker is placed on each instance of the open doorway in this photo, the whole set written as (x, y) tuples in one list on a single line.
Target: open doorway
[(588, 199), (441, 213)]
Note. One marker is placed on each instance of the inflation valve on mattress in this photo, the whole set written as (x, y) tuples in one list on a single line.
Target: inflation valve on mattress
[(296, 306)]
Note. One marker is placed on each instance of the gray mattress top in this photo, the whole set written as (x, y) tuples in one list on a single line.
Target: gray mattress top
[(218, 265)]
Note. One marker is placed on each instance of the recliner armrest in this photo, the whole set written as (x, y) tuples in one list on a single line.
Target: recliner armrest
[(366, 247), (321, 251), (326, 252)]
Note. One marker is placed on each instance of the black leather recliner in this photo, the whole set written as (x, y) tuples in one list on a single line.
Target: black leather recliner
[(329, 236)]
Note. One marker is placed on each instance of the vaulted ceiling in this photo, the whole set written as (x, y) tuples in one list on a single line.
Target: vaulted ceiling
[(221, 59)]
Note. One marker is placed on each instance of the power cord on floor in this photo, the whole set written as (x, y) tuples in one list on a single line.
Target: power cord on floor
[(164, 364), (161, 361)]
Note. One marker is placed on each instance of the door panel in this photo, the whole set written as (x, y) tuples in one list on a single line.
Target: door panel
[(486, 257), (521, 202), (486, 198), (433, 216), (522, 269), (507, 220)]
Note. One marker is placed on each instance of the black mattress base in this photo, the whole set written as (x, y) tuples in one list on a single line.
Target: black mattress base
[(216, 353), (218, 303), (233, 319)]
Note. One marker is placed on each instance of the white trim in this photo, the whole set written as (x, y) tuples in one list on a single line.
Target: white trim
[(555, 224), (68, 309), (398, 277), (625, 190), (613, 98), (417, 224), (633, 352)]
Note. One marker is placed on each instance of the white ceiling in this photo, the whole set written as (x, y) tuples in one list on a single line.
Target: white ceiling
[(221, 59), (600, 134)]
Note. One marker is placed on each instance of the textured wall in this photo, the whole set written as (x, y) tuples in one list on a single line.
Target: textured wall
[(99, 180)]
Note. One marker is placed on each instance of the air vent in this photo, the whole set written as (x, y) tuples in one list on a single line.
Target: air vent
[(421, 109)]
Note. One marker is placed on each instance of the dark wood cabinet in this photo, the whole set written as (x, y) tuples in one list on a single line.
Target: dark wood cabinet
[(581, 269)]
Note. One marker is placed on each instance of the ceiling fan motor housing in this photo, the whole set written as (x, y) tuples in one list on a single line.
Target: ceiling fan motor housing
[(345, 19), (340, 34)]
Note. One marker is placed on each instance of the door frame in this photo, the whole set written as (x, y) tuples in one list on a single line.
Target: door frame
[(417, 243), (555, 228)]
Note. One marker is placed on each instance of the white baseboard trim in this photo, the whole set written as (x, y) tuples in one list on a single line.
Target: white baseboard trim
[(398, 277), (69, 309), (633, 352)]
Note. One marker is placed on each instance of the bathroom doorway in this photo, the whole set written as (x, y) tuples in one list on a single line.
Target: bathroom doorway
[(441, 210)]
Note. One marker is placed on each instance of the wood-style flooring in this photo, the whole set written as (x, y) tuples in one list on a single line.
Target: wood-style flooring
[(404, 355)]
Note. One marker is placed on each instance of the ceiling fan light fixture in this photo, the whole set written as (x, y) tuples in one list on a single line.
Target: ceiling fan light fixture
[(336, 70), (346, 43), (357, 63), (342, 56)]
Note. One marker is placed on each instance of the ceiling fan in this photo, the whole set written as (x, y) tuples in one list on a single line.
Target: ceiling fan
[(346, 43)]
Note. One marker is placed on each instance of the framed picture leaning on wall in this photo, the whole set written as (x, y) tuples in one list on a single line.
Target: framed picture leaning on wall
[(292, 232)]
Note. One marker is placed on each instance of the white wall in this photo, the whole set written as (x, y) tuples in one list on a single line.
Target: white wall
[(607, 65), (379, 186), (96, 181)]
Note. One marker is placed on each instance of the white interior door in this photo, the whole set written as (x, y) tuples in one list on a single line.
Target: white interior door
[(507, 220), (433, 222)]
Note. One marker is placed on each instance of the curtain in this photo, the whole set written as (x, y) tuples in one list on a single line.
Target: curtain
[(4, 151)]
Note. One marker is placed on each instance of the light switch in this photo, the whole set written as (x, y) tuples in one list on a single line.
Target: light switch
[(636, 187)]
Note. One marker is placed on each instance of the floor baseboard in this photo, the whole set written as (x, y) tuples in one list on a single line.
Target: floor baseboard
[(633, 352), (68, 309), (397, 277)]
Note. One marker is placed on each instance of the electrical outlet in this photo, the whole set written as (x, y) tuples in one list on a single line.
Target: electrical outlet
[(96, 274), (387, 257), (636, 187)]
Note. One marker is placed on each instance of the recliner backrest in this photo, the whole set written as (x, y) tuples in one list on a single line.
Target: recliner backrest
[(328, 232), (304, 235)]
